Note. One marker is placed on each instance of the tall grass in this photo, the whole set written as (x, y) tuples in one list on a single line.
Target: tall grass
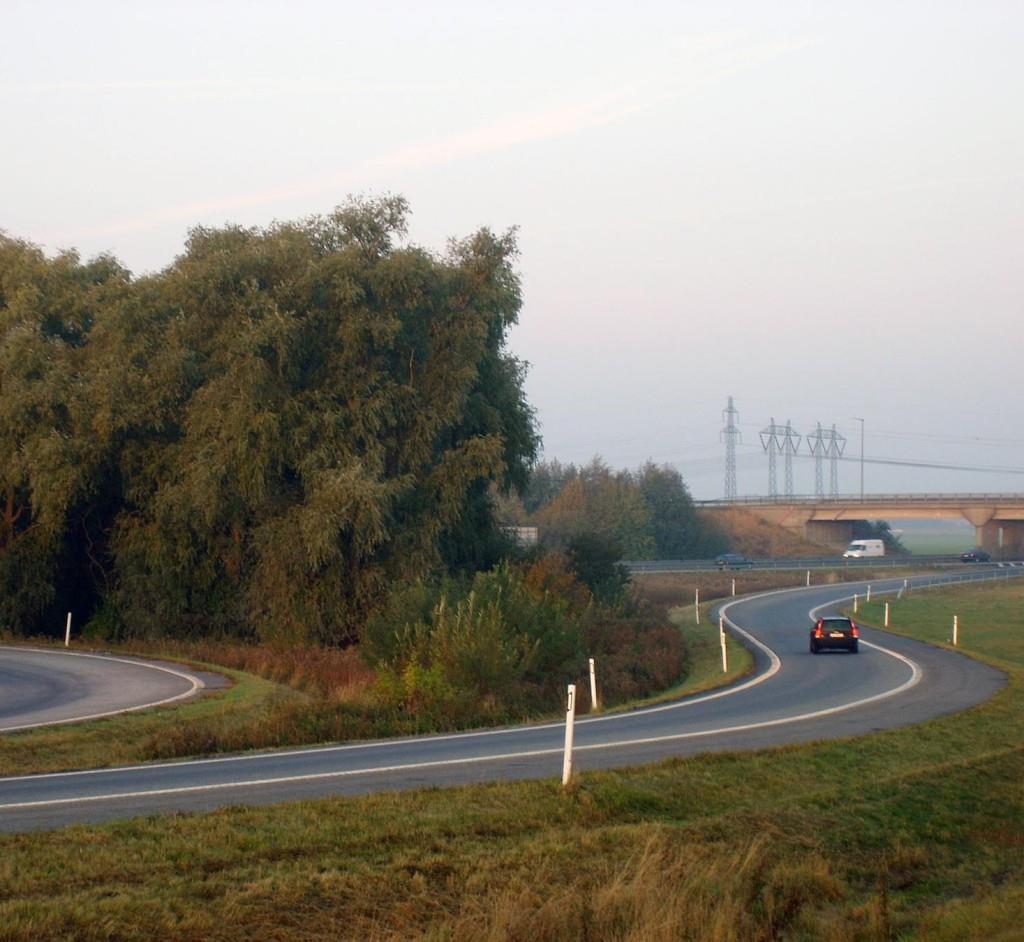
[(334, 674)]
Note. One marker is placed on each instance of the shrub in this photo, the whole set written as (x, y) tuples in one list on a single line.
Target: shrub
[(498, 645), (638, 651), (504, 646), (594, 558)]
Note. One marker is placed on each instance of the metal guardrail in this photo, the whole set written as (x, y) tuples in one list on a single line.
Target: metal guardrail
[(822, 562), (1014, 570)]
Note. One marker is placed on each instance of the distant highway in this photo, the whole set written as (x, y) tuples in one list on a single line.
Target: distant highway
[(813, 562), (792, 697)]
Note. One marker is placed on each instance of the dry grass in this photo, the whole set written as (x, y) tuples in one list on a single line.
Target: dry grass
[(751, 536), (667, 888), (334, 674), (673, 589)]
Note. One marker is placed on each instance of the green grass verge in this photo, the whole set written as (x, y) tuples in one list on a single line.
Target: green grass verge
[(987, 626), (135, 737), (913, 833)]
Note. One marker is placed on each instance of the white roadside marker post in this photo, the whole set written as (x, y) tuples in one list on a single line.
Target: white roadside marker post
[(733, 586), (725, 650), (855, 603), (593, 688), (886, 614), (570, 719), (67, 632), (956, 630), (868, 599), (696, 604), (808, 576)]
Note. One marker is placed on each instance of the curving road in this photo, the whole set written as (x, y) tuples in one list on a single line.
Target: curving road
[(46, 687), (791, 697)]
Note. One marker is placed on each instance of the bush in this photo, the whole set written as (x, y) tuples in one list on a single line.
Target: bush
[(496, 647), (638, 651), (594, 558), (503, 646)]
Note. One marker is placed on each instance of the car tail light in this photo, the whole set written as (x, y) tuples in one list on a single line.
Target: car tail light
[(819, 632), (854, 630)]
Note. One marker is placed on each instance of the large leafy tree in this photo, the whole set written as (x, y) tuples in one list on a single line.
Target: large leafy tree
[(283, 423), (50, 445)]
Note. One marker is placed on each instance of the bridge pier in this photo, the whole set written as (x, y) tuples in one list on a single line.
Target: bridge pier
[(1001, 537), (829, 532)]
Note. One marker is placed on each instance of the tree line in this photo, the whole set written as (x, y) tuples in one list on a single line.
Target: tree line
[(645, 513), (262, 438)]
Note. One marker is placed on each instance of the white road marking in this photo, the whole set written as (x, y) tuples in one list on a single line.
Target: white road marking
[(775, 666), (196, 684)]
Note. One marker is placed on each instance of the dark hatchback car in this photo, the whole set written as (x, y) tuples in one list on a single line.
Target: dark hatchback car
[(733, 561), (975, 556), (835, 632)]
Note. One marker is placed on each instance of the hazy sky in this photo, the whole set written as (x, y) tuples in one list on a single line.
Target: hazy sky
[(817, 208)]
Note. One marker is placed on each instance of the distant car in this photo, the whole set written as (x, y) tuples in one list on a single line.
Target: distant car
[(975, 556), (733, 561), (834, 632)]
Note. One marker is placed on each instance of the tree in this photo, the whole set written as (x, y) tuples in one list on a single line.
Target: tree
[(594, 558), (50, 443), (265, 436), (677, 530), (598, 500), (545, 483)]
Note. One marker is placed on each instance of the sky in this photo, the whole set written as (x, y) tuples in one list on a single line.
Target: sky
[(815, 208)]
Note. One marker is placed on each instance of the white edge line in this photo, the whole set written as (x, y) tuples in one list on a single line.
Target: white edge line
[(776, 665), (473, 760), (916, 674), (196, 684)]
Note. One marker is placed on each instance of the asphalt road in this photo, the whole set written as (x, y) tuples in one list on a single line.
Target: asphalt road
[(45, 687), (792, 696)]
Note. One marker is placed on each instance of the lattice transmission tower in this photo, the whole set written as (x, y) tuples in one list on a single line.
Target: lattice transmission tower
[(770, 443), (730, 435), (790, 446), (836, 447), (818, 445), (778, 439)]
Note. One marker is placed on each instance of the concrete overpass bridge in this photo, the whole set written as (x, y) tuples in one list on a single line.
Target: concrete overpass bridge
[(998, 519)]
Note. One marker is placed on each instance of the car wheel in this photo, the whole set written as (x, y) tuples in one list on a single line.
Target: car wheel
[(814, 648), (854, 648)]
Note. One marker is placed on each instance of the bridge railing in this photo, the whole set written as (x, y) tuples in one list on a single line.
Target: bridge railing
[(857, 499)]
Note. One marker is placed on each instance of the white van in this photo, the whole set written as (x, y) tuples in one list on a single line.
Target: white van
[(859, 549)]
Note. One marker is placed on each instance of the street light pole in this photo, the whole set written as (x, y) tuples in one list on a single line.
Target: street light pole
[(856, 419)]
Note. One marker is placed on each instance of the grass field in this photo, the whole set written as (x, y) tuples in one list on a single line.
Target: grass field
[(986, 628), (937, 544), (908, 834)]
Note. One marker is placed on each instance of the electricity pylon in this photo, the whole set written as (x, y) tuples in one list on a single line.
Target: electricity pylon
[(730, 435)]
